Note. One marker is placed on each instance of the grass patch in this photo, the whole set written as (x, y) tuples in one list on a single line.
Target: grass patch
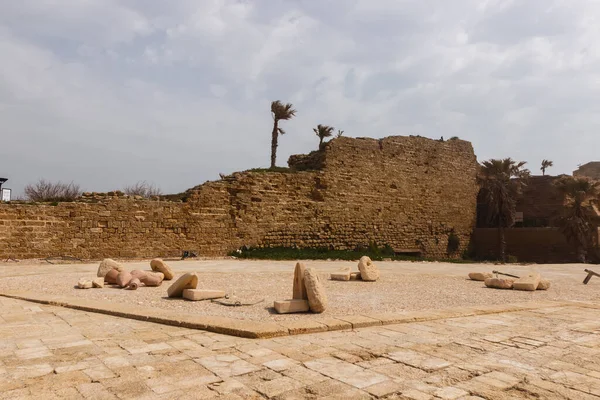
[(288, 253)]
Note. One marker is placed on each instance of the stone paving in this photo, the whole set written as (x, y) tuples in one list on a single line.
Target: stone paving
[(546, 353)]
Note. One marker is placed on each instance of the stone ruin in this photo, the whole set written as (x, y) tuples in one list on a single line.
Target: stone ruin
[(367, 271), (530, 282), (308, 293)]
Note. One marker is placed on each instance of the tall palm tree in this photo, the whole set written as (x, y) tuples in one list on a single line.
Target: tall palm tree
[(280, 112), (501, 181), (546, 164), (323, 131), (576, 222), (339, 133)]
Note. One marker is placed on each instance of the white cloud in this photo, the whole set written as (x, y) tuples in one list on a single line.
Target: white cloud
[(109, 92)]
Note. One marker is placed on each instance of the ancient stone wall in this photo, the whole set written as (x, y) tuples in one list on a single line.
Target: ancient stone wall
[(408, 192), (589, 170)]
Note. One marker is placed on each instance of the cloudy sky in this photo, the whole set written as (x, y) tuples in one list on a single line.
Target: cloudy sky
[(110, 92)]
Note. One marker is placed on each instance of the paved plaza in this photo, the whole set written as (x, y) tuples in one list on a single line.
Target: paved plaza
[(550, 352)]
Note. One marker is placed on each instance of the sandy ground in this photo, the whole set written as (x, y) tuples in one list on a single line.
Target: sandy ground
[(403, 285)]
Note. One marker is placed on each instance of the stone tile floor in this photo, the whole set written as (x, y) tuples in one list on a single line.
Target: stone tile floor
[(547, 353)]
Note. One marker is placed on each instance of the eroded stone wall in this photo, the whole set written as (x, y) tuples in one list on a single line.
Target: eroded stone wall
[(408, 192)]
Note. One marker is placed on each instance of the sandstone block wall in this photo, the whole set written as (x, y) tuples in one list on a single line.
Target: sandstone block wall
[(408, 192)]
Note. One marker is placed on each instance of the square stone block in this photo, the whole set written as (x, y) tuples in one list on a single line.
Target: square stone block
[(201, 294), (291, 306)]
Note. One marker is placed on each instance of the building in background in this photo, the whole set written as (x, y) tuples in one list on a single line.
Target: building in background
[(589, 170), (4, 192)]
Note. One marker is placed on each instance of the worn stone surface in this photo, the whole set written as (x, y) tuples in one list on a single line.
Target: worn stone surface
[(202, 294), (291, 306), (401, 185), (98, 282), (480, 276), (134, 283), (528, 282), (299, 288), (111, 276), (342, 275), (317, 298), (368, 270), (499, 283), (355, 276), (106, 265), (186, 281), (544, 284), (85, 283), (123, 278), (52, 352), (158, 265)]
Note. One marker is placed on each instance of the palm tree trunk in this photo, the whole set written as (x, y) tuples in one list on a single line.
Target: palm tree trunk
[(502, 244), (320, 143), (274, 137)]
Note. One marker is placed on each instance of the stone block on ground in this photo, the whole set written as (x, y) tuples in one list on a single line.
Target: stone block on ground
[(152, 278), (202, 294), (299, 289), (134, 283), (98, 282), (106, 265), (111, 276), (159, 265), (355, 276), (528, 282), (341, 275), (544, 284), (480, 276), (185, 281), (317, 298), (123, 278), (368, 271), (84, 283), (499, 283), (291, 306)]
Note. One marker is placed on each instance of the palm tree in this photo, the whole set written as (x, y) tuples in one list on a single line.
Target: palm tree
[(323, 131), (501, 181), (280, 112), (576, 222), (546, 164), (339, 133)]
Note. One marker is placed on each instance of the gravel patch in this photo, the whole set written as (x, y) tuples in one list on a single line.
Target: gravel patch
[(394, 292)]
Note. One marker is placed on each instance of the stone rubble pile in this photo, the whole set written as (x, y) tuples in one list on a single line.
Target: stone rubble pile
[(530, 282), (308, 293), (367, 271), (112, 273)]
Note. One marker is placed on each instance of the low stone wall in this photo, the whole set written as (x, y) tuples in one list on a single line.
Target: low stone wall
[(539, 245)]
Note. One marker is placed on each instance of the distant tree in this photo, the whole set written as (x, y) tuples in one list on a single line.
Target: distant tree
[(576, 221), (46, 191), (546, 164), (280, 112), (339, 133), (323, 131), (501, 181), (142, 188)]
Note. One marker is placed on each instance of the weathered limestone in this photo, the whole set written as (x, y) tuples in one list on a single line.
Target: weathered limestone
[(186, 281), (106, 265), (152, 278), (84, 283), (291, 306), (159, 265), (528, 282), (123, 278), (355, 276), (368, 271), (202, 294), (544, 284), (299, 289), (317, 298), (98, 282), (138, 273), (499, 283), (111, 277), (480, 276), (134, 283), (342, 275)]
